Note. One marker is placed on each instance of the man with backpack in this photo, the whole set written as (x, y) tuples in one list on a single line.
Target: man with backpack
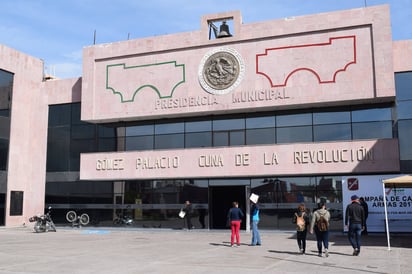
[(355, 218), (320, 224)]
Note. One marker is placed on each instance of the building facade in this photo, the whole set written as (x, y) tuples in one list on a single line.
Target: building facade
[(285, 109)]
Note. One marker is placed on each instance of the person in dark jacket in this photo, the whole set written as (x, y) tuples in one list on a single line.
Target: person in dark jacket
[(188, 216), (355, 222), (366, 209), (235, 216)]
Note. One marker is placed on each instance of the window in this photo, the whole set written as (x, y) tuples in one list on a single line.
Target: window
[(261, 122), (405, 140), (198, 139), (404, 109), (374, 114), (333, 132), (323, 118), (228, 124), (198, 134), (372, 130), (6, 88), (294, 120), (403, 85), (168, 128), (301, 134), (169, 141), (140, 130), (198, 126), (260, 136), (16, 203)]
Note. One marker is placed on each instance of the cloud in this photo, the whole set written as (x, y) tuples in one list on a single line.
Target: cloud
[(64, 70)]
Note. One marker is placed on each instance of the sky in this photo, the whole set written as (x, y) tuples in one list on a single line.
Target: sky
[(57, 31)]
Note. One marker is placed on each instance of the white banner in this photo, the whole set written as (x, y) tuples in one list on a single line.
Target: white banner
[(370, 187)]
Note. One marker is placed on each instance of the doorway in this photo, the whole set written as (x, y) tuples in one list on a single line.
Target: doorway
[(220, 201)]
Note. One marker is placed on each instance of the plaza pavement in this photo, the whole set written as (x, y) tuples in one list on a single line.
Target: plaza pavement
[(133, 250)]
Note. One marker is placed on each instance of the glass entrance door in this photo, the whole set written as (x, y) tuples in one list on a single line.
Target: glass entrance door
[(220, 201)]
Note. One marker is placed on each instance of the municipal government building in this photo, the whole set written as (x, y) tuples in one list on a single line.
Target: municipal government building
[(286, 109)]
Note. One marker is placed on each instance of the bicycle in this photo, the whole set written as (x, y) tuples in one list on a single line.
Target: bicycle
[(76, 219)]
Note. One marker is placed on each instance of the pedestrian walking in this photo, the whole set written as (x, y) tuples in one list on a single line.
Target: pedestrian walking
[(366, 210), (234, 217), (320, 225), (302, 220), (355, 223)]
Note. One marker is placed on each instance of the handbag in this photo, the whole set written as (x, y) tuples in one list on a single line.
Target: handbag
[(182, 214)]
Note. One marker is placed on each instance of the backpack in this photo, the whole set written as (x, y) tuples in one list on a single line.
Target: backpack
[(322, 223), (300, 222)]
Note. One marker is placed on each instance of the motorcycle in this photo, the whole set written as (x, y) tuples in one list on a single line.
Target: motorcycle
[(44, 222), (123, 220)]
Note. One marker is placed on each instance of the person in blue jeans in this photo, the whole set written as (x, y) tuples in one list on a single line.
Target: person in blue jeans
[(355, 222), (254, 216), (322, 237)]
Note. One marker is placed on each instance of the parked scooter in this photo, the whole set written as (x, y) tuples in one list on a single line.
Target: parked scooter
[(44, 222)]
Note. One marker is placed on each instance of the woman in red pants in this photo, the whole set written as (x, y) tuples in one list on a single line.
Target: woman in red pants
[(235, 216)]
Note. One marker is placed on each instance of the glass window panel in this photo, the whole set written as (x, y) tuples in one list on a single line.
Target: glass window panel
[(228, 124), (229, 182), (59, 115), (107, 144), (372, 130), (169, 141), (220, 138), (404, 109), (16, 203), (58, 149), (77, 147), (86, 131), (294, 134), (294, 120), (403, 85), (5, 113), (198, 139), (198, 126), (261, 122), (375, 114), (168, 128), (329, 190), (237, 138), (332, 132), (405, 140), (260, 136), (4, 150), (320, 118), (75, 114), (140, 130), (140, 143), (105, 131), (6, 88)]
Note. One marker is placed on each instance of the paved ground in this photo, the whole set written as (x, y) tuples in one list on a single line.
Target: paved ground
[(109, 250)]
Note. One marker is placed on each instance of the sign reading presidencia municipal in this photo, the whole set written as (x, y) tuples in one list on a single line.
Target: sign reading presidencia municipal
[(188, 75)]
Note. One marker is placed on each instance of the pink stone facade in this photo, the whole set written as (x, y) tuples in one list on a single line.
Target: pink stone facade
[(313, 60), (331, 59)]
